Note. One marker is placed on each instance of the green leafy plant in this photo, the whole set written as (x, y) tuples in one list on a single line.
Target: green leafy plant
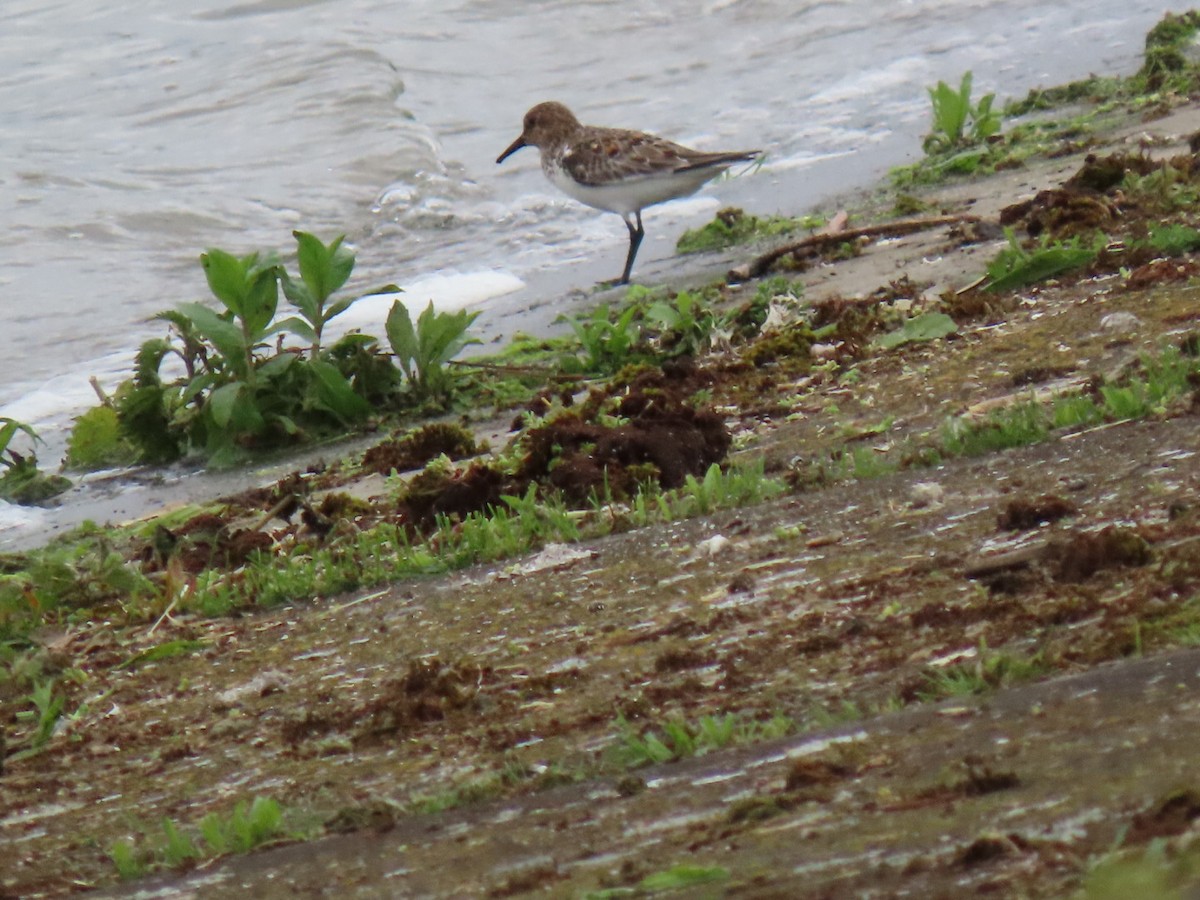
[(687, 323), (47, 711), (608, 343), (248, 826), (424, 351), (1014, 266), (324, 269), (238, 392), (96, 441), (953, 111), (989, 669), (21, 481), (740, 486), (1174, 239)]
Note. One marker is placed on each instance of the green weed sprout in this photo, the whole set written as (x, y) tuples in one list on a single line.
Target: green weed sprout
[(424, 351), (952, 111)]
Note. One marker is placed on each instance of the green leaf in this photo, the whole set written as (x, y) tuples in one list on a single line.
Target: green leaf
[(277, 365), (221, 333), (197, 386), (300, 296), (336, 395), (339, 306), (296, 326), (262, 298), (163, 651), (227, 277), (222, 401), (324, 268), (402, 336), (928, 326), (683, 876), (9, 429)]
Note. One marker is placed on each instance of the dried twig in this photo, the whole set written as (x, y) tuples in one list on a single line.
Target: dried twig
[(816, 241)]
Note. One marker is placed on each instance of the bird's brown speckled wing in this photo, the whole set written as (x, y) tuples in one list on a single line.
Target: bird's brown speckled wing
[(598, 156)]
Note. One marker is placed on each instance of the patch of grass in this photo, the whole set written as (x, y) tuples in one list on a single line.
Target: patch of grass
[(247, 827), (987, 671), (1166, 66), (1015, 426), (1152, 871), (1167, 189), (738, 486), (1174, 239), (1094, 90), (676, 739)]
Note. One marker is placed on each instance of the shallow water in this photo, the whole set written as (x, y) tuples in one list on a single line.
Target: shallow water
[(136, 139)]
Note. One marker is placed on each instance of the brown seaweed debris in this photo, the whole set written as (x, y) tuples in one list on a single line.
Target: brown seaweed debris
[(1082, 555), (419, 446), (454, 494), (1172, 815), (666, 441), (1021, 514)]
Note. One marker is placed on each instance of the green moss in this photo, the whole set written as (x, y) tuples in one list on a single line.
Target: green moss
[(1166, 65), (734, 226), (792, 344)]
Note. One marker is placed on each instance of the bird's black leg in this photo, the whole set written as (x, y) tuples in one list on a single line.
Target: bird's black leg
[(635, 241)]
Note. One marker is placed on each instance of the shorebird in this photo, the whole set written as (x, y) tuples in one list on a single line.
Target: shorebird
[(617, 170)]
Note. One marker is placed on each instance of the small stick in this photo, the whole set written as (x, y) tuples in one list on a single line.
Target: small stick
[(105, 400), (815, 241)]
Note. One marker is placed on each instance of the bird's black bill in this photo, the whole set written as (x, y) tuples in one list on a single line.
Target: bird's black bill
[(512, 148)]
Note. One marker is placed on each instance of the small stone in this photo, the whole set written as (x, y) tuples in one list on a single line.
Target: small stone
[(271, 681), (713, 547), (926, 493), (1120, 322)]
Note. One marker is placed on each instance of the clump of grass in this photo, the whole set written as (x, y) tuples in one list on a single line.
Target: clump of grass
[(677, 739), (989, 670), (247, 827), (1174, 239)]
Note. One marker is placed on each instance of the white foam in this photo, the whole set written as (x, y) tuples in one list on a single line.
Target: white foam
[(52, 402), (448, 291), (907, 70), (13, 518)]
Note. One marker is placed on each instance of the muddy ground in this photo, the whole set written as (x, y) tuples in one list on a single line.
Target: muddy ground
[(500, 690)]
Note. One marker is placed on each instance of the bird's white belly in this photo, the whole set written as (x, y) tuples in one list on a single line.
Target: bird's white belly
[(631, 194)]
